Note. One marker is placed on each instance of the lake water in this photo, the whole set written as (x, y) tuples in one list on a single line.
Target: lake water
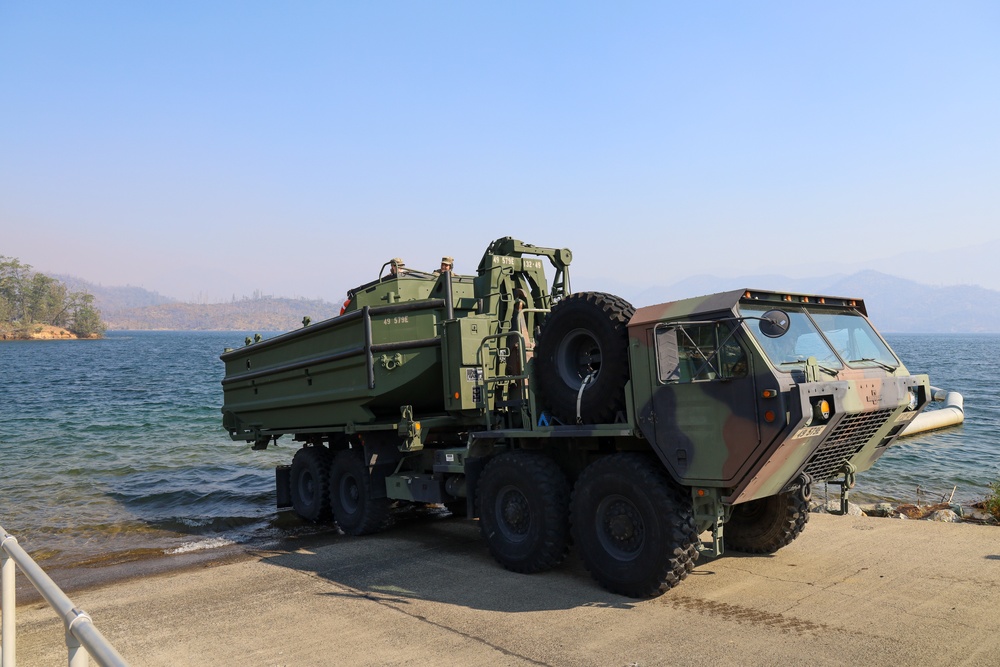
[(113, 449)]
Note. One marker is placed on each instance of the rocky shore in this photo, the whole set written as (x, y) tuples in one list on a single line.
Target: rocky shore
[(41, 332), (942, 512)]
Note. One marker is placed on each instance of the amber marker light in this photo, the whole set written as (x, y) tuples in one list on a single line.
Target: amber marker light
[(769, 416), (456, 394), (701, 492), (770, 393), (822, 409)]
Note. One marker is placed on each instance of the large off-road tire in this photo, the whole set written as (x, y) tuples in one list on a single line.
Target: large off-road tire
[(310, 483), (523, 502), (763, 526), (634, 530), (585, 333), (354, 508)]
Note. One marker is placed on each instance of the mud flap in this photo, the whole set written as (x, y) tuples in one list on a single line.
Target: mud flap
[(283, 486)]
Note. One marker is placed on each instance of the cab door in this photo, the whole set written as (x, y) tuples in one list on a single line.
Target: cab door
[(704, 402)]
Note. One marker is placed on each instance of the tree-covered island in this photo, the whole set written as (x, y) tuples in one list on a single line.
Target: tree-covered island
[(34, 305)]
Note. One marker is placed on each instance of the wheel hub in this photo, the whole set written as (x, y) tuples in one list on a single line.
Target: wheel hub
[(513, 513), (578, 356), (620, 528), (350, 494), (307, 486)]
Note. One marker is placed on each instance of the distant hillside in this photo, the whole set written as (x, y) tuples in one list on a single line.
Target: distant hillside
[(896, 305), (259, 314), (903, 306), (136, 308), (112, 299)]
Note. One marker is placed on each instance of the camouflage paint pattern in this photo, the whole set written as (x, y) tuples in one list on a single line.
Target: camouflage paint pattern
[(738, 426), (752, 435)]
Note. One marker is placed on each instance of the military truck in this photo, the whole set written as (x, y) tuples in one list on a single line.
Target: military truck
[(643, 437)]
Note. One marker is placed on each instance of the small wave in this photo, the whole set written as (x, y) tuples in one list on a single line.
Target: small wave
[(200, 545)]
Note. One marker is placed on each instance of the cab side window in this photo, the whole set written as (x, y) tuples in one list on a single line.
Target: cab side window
[(698, 353)]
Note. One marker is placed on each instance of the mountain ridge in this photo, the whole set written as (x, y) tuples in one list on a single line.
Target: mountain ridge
[(895, 305)]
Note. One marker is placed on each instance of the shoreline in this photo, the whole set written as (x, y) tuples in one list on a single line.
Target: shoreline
[(122, 567), (42, 332), (940, 512), (429, 589), (80, 577)]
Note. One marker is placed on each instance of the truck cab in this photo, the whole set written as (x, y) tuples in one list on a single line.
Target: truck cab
[(754, 391)]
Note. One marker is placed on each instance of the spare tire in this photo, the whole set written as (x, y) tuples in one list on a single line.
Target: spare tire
[(584, 335)]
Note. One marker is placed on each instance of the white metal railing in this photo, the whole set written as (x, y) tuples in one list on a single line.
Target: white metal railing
[(83, 640)]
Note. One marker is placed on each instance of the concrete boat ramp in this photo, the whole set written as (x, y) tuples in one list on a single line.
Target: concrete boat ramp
[(850, 590)]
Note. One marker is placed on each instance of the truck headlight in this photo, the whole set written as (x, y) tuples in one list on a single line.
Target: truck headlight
[(914, 399), (822, 410)]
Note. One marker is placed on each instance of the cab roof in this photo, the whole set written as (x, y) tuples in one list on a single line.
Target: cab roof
[(722, 301)]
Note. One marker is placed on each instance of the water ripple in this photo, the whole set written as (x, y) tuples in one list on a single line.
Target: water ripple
[(113, 449)]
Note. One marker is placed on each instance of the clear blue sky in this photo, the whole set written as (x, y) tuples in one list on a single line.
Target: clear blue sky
[(204, 149)]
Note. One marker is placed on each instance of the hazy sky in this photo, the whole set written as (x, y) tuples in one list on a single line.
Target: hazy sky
[(205, 149)]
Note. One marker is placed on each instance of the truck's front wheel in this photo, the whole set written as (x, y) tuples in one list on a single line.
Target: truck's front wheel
[(634, 530), (354, 508), (763, 526), (310, 481), (523, 511)]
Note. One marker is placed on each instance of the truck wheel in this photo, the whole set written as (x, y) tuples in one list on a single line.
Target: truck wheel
[(584, 334), (763, 526), (523, 511), (310, 483), (354, 508), (634, 530)]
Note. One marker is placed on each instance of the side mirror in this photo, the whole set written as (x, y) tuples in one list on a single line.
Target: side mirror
[(774, 323)]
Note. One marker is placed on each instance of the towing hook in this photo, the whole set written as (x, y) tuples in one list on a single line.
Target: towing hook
[(805, 486), (850, 474)]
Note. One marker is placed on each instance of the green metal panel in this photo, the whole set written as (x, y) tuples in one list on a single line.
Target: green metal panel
[(411, 339), (463, 375)]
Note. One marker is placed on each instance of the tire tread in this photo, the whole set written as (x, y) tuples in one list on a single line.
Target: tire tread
[(549, 480), (668, 500), (597, 310), (783, 519)]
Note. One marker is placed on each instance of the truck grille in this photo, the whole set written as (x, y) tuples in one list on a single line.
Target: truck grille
[(847, 439)]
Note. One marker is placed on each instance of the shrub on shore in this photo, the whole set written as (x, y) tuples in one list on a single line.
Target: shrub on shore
[(992, 502)]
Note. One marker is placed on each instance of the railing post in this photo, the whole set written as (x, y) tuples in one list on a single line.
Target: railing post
[(77, 655), (8, 604), (83, 640)]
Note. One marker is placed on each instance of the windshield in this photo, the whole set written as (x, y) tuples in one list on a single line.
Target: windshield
[(855, 341), (802, 341)]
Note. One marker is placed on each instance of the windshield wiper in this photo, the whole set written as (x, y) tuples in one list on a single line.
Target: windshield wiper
[(874, 361), (819, 366)]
